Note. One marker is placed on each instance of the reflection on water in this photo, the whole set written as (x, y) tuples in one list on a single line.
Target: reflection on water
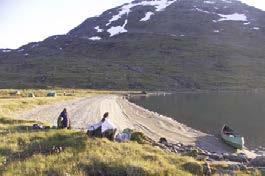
[(244, 112)]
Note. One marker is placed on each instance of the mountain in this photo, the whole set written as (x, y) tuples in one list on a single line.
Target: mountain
[(153, 45)]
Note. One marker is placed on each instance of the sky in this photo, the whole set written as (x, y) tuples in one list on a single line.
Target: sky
[(24, 21)]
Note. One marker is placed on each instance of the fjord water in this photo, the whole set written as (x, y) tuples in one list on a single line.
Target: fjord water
[(207, 112)]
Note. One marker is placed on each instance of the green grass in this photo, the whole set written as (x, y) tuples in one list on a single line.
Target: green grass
[(60, 152), (28, 152)]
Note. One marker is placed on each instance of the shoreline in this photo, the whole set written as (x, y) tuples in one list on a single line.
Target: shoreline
[(255, 149), (245, 150), (196, 91)]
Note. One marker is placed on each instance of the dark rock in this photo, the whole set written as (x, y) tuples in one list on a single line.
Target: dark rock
[(163, 140), (236, 158), (259, 161), (169, 145), (243, 167), (176, 147), (202, 157), (233, 167), (176, 151), (216, 156)]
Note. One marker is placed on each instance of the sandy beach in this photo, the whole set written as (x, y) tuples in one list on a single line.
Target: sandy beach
[(124, 114)]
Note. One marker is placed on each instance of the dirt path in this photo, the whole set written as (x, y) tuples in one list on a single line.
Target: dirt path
[(124, 114)]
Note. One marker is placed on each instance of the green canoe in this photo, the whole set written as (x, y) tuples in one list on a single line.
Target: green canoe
[(230, 137)]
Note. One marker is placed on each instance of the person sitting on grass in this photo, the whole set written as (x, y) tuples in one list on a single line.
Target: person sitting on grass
[(105, 128), (63, 120)]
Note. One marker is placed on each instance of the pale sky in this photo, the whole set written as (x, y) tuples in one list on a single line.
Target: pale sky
[(24, 21)]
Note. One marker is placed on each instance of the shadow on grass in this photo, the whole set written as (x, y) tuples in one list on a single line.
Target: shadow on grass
[(7, 121), (23, 129), (4, 151), (28, 128), (54, 144), (106, 169)]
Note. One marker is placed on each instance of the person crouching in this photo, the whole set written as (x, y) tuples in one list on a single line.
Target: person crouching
[(63, 120), (105, 128)]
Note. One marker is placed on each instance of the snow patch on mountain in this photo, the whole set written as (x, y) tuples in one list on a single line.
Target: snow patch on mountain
[(125, 10), (216, 31), (6, 50), (200, 10), (209, 2), (98, 29), (95, 38), (247, 23), (20, 50), (117, 29), (158, 4), (147, 16), (34, 45), (256, 28), (233, 17), (226, 1)]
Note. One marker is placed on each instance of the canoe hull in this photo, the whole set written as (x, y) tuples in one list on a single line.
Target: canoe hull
[(237, 143), (234, 140)]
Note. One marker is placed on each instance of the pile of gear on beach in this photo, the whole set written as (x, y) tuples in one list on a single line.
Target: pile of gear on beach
[(105, 128)]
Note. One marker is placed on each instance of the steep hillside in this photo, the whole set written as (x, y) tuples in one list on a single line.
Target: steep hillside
[(155, 45)]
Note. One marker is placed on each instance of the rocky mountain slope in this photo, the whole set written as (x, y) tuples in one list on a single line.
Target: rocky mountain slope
[(154, 45)]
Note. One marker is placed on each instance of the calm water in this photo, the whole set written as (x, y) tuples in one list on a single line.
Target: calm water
[(244, 112)]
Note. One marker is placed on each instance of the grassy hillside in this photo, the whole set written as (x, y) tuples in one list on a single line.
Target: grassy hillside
[(38, 153), (135, 61), (24, 151)]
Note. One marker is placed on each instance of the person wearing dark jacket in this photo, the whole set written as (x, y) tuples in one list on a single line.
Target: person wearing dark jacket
[(63, 120)]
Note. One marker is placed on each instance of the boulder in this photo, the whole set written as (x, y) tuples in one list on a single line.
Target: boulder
[(243, 167), (236, 158), (216, 156), (163, 140), (259, 161)]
